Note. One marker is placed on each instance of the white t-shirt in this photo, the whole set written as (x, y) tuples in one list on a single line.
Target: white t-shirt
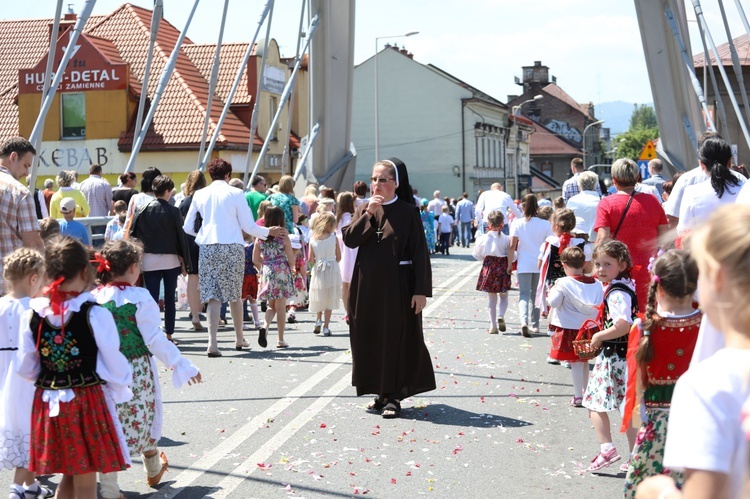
[(584, 205), (495, 200), (531, 234), (743, 197), (436, 206), (694, 176), (704, 431), (700, 200), (445, 222)]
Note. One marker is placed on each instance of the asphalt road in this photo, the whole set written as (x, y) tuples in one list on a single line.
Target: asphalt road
[(281, 423)]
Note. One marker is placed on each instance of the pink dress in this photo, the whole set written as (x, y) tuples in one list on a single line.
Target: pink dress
[(348, 255)]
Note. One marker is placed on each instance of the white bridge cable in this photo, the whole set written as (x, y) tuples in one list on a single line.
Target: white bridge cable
[(736, 64), (290, 108), (727, 83), (310, 141), (689, 66), (743, 17), (709, 68), (47, 74), (163, 81), (156, 17), (285, 94), (256, 99), (235, 84), (212, 83)]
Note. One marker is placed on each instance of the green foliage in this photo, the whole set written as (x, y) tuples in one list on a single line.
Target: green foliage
[(643, 117), (631, 143), (643, 128)]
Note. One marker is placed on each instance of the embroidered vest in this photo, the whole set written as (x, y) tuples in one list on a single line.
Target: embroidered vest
[(68, 355), (673, 339), (555, 270), (619, 345), (132, 345)]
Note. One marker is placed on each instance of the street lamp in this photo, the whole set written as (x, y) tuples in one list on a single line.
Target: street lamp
[(516, 109), (377, 129), (584, 138)]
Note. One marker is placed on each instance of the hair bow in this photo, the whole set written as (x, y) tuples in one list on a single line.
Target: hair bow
[(103, 263), (56, 297)]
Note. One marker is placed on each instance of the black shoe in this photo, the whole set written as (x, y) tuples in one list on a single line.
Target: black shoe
[(263, 306), (262, 341)]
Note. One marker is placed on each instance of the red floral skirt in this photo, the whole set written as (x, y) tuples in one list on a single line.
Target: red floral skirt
[(81, 439), (250, 287), (562, 344), (494, 277)]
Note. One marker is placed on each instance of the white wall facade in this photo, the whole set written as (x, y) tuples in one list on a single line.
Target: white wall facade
[(419, 121)]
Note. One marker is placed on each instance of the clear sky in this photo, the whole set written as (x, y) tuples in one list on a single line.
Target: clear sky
[(593, 47)]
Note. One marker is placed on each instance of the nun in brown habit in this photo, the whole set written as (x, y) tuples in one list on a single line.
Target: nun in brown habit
[(391, 282)]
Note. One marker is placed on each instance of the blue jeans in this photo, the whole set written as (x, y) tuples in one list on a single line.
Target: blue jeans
[(527, 311), (151, 280), (465, 234)]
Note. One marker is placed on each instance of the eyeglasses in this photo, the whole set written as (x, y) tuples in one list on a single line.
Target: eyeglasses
[(379, 180)]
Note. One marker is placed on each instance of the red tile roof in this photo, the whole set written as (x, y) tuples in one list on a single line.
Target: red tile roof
[(741, 44), (124, 35), (229, 61), (544, 142), (557, 92)]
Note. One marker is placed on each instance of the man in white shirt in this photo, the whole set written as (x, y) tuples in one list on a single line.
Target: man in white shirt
[(222, 215), (585, 203), (436, 205), (495, 200), (570, 186), (464, 216)]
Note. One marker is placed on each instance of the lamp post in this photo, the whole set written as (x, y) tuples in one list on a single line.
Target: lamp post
[(515, 111), (377, 129), (599, 122)]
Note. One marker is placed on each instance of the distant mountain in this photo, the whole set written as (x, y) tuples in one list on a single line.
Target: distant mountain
[(616, 115)]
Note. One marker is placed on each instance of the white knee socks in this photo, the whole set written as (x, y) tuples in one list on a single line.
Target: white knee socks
[(580, 373), (492, 297), (109, 487), (503, 307), (254, 311)]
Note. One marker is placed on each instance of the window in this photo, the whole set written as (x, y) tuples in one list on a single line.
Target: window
[(547, 168), (73, 116)]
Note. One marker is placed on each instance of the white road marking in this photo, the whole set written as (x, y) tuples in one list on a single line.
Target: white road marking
[(235, 479)]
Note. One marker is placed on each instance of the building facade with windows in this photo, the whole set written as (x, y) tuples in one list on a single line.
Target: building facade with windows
[(93, 114), (452, 136)]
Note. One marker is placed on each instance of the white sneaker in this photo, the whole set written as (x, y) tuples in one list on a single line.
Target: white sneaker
[(246, 327), (318, 325), (326, 331), (565, 363), (552, 361)]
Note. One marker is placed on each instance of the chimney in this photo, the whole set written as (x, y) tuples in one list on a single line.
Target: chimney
[(404, 52), (511, 98), (410, 55), (67, 22)]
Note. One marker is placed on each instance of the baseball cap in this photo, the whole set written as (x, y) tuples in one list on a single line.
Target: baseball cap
[(68, 205)]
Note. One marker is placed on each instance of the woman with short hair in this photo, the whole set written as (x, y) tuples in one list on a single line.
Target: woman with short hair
[(634, 218), (65, 180)]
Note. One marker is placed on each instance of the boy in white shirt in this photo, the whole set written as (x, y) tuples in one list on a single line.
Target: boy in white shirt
[(574, 299), (445, 228)]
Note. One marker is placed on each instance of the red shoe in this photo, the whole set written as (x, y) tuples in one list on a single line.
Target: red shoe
[(604, 460)]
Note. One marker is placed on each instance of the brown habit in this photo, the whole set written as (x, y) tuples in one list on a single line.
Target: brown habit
[(388, 350)]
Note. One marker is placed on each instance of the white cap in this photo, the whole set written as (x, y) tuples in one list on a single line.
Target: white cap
[(68, 205)]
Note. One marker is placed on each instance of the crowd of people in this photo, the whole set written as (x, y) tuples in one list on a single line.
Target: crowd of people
[(615, 276)]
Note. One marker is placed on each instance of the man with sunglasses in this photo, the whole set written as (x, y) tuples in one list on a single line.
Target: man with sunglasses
[(256, 195)]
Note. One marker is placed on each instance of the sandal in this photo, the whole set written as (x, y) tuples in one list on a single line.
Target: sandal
[(262, 341), (392, 409), (576, 401), (197, 326), (40, 492), (282, 344), (243, 344), (154, 480), (376, 405)]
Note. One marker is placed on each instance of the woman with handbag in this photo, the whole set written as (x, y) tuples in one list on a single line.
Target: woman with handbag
[(634, 218)]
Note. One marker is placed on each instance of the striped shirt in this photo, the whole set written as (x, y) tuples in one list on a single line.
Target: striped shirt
[(98, 193), (17, 213)]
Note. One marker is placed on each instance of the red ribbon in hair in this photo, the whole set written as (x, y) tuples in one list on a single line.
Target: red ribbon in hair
[(103, 263), (56, 297), (564, 241)]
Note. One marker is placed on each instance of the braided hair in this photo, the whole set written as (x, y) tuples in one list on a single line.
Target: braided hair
[(677, 274), (21, 263), (119, 255)]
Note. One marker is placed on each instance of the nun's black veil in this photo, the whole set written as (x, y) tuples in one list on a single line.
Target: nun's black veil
[(403, 191)]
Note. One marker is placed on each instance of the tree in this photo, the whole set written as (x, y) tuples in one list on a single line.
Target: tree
[(643, 128), (643, 117)]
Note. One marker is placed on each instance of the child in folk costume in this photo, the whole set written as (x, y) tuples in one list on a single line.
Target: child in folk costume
[(574, 299), (275, 258), (23, 271), (494, 278), (705, 438), (606, 388), (141, 339), (659, 352), (325, 280), (71, 348)]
